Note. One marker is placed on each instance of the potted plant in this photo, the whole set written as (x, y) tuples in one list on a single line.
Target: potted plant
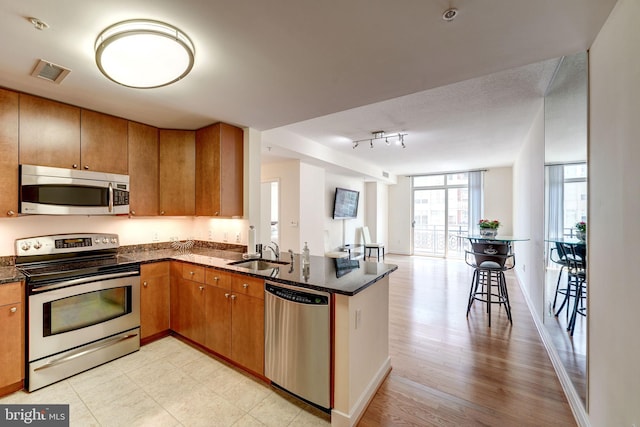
[(581, 230), (488, 228)]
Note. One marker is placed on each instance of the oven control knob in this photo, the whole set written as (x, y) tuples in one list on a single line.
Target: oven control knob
[(37, 245), (105, 240), (114, 240), (25, 246), (96, 241)]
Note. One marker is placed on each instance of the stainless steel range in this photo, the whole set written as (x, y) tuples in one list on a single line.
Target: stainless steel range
[(83, 305)]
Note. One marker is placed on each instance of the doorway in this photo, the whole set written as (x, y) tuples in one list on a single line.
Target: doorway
[(440, 214)]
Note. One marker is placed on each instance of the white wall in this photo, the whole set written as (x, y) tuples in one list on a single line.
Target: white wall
[(399, 199), (376, 211), (312, 208), (343, 231), (288, 173), (614, 212), (132, 231), (498, 198), (528, 212)]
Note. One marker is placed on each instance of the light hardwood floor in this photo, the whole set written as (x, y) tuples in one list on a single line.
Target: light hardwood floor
[(450, 370)]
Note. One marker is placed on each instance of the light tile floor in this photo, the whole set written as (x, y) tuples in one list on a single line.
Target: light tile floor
[(168, 383)]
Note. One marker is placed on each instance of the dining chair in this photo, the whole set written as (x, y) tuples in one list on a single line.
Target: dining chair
[(368, 245), (490, 260)]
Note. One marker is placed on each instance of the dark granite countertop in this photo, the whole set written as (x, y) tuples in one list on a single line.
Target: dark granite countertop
[(10, 274), (342, 276)]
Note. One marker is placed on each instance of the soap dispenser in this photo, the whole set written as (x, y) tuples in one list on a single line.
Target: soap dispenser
[(305, 255)]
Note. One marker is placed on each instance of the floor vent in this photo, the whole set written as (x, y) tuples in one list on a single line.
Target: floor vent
[(48, 71)]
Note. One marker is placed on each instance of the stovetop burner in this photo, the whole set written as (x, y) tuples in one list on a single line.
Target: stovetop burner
[(43, 269), (67, 256)]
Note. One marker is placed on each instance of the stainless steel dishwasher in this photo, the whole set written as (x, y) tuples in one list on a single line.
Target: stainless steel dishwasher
[(298, 342)]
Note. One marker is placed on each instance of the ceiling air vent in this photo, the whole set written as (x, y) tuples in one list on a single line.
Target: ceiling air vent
[(48, 71), (385, 174)]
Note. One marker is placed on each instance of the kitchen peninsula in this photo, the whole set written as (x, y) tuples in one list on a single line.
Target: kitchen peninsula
[(360, 306), (358, 292)]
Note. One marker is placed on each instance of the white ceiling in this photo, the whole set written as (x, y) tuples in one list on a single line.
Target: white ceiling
[(325, 72)]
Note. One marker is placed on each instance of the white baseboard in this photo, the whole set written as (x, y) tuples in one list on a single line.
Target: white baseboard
[(577, 407), (340, 419)]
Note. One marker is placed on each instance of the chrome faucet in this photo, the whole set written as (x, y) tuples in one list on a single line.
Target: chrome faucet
[(275, 250)]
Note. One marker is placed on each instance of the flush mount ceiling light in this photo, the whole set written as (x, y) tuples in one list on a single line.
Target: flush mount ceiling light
[(144, 54), (378, 135)]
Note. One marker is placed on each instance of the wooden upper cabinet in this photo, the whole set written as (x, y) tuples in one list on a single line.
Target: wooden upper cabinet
[(103, 143), (219, 170), (177, 172), (8, 153), (49, 133), (143, 169)]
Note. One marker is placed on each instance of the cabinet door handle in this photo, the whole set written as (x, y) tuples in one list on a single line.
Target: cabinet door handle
[(226, 295), (161, 212), (216, 278), (75, 166), (233, 297), (13, 309), (201, 288), (86, 167), (133, 212), (145, 284), (245, 285), (191, 273), (11, 213)]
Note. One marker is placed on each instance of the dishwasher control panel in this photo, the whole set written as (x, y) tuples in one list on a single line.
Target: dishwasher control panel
[(298, 296)]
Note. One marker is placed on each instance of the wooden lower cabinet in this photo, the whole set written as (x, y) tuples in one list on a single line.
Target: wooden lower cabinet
[(154, 299), (220, 313), (187, 310), (12, 332), (247, 332)]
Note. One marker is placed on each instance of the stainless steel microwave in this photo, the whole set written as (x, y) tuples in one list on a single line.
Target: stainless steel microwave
[(57, 191)]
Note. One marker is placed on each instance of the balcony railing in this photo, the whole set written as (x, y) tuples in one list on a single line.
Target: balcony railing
[(432, 240)]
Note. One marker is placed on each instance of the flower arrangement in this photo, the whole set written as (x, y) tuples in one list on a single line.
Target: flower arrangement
[(491, 224), (581, 226)]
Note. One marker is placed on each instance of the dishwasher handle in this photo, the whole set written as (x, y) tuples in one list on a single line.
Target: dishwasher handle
[(296, 296)]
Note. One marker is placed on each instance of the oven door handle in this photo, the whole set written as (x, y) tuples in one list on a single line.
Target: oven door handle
[(72, 282), (84, 352)]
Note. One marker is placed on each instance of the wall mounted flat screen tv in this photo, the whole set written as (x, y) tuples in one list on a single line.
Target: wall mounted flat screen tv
[(345, 204)]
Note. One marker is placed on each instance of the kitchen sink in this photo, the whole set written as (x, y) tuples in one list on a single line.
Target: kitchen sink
[(258, 264)]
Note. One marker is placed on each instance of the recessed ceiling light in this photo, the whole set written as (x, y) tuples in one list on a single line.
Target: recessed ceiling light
[(144, 54), (38, 24), (450, 14)]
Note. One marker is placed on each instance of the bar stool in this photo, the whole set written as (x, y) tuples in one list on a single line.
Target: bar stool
[(490, 260), (576, 258)]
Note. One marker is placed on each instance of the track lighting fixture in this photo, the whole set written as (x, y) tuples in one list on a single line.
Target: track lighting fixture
[(380, 135)]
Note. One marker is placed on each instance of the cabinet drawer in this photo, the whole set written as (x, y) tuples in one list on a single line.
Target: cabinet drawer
[(10, 293), (155, 269), (218, 278), (247, 285), (193, 272)]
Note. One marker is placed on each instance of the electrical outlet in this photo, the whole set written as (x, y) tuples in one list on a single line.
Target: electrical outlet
[(225, 237), (238, 237), (155, 237), (210, 234), (358, 318)]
